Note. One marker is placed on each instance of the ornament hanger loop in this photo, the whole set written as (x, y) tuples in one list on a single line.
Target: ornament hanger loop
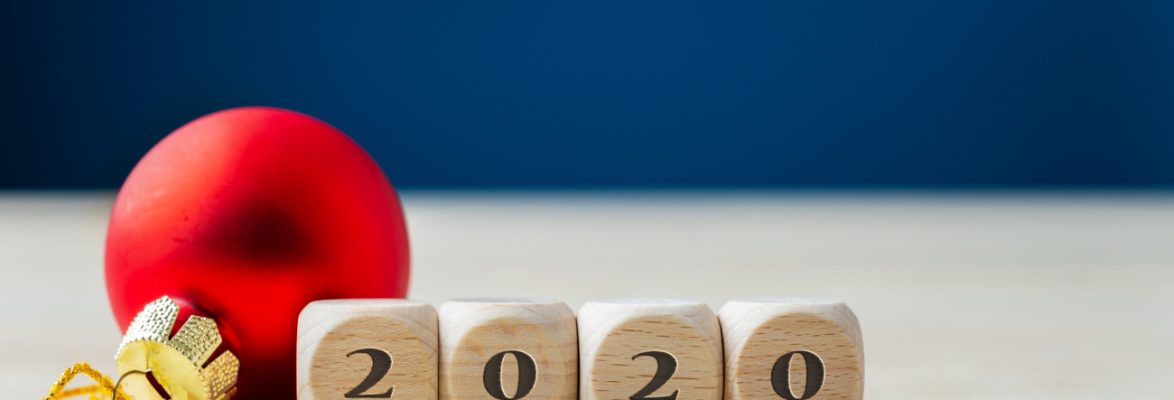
[(114, 391)]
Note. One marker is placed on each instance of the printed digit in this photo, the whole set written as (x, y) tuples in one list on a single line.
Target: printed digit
[(380, 365), (527, 375), (666, 366), (780, 375)]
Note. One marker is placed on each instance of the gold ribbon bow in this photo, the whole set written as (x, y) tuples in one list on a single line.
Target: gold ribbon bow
[(150, 359)]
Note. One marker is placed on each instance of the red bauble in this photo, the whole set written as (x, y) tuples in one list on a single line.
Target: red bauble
[(246, 215)]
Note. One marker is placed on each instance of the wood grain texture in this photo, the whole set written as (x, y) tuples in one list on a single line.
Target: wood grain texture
[(474, 331), (764, 336), (332, 338), (612, 334)]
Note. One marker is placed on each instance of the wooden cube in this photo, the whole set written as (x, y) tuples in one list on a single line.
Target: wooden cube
[(508, 349), (378, 349), (794, 349), (649, 350)]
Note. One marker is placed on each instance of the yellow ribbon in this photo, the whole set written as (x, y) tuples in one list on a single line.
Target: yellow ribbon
[(103, 388), (179, 363)]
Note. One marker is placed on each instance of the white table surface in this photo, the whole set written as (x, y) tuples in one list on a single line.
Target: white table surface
[(960, 296)]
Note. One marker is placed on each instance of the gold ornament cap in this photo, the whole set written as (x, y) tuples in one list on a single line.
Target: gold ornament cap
[(179, 364)]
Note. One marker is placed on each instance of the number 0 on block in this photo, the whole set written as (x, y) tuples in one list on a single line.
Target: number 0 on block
[(508, 350), (792, 349)]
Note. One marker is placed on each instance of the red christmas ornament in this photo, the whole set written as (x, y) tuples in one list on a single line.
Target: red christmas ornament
[(245, 216)]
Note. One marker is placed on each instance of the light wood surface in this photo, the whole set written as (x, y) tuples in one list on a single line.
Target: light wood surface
[(792, 349), (649, 349), (508, 349), (368, 348), (960, 295)]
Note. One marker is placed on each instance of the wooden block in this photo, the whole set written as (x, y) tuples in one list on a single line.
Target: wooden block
[(508, 350), (794, 349), (649, 350), (375, 349)]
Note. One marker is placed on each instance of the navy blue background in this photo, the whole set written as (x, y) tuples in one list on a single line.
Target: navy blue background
[(686, 93)]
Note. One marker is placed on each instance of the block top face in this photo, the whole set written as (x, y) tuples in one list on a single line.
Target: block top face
[(652, 302), (788, 301), (324, 314), (599, 314), (339, 308), (366, 302), (457, 314), (694, 312), (739, 316), (485, 307), (506, 300)]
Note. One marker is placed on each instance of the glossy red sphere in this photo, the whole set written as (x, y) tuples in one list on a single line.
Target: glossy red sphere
[(246, 215)]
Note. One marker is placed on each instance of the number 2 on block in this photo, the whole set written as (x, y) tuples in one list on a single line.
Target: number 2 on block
[(666, 366), (380, 365)]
